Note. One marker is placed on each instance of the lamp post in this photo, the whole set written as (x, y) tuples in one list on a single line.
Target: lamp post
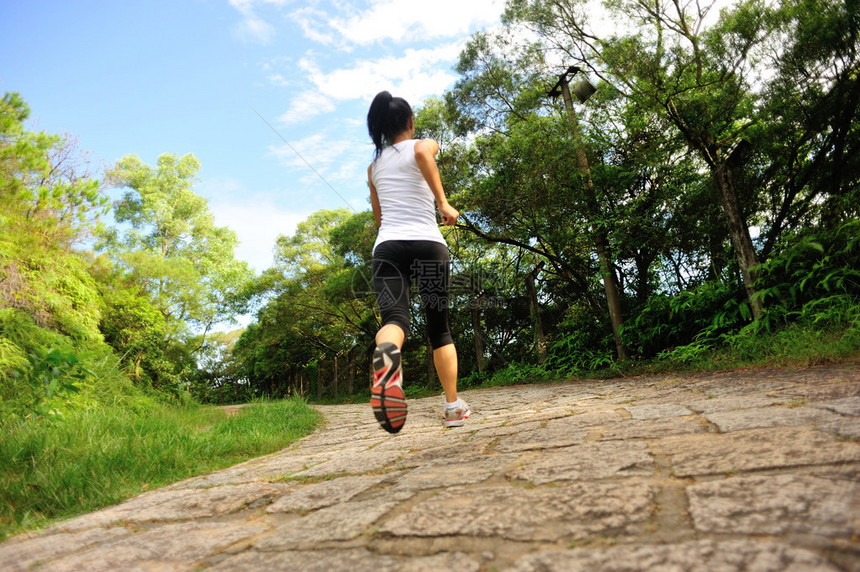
[(583, 90)]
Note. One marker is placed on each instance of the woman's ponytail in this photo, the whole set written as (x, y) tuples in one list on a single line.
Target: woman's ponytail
[(376, 119), (387, 118)]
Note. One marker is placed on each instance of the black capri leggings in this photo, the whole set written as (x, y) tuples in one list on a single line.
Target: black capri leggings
[(395, 264)]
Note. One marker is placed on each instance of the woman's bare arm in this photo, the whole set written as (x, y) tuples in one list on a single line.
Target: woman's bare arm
[(374, 198), (425, 156)]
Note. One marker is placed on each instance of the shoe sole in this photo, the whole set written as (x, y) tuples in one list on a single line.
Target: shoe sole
[(386, 396)]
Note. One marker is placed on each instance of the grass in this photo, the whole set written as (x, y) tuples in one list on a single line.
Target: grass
[(54, 469), (793, 346)]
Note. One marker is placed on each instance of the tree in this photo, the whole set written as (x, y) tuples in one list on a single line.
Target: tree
[(700, 78), (172, 247), (219, 377), (50, 305), (502, 90), (805, 150), (47, 204), (137, 331), (319, 307)]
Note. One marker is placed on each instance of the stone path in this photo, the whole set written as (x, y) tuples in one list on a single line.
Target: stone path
[(755, 470)]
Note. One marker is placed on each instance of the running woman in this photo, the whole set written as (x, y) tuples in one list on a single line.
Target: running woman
[(404, 182)]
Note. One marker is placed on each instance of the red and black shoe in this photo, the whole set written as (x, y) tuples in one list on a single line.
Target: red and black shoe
[(386, 395)]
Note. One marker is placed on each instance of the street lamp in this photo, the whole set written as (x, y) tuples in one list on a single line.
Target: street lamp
[(583, 90)]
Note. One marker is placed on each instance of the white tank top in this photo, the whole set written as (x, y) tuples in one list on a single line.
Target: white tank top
[(407, 203)]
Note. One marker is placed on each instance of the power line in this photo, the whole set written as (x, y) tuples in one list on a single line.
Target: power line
[(299, 155)]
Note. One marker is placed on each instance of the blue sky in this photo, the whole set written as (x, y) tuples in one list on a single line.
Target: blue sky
[(189, 76)]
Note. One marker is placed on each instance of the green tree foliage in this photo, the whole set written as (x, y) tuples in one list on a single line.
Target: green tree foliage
[(50, 306), (220, 378), (174, 271), (319, 314), (45, 209), (804, 149), (698, 77), (173, 249), (135, 328), (704, 126)]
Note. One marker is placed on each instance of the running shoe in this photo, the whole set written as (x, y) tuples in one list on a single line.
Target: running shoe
[(457, 417), (386, 395)]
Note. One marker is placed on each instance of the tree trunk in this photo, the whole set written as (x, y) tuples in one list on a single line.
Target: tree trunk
[(740, 235), (718, 257), (479, 337), (334, 378), (540, 338), (350, 380), (643, 289), (613, 300)]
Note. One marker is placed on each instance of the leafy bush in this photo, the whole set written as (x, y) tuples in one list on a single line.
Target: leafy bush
[(30, 354), (49, 374), (704, 313), (570, 354), (517, 373), (583, 343), (812, 283), (815, 277), (21, 342)]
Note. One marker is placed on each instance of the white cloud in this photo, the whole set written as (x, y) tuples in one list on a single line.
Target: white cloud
[(319, 160), (255, 218), (398, 20), (305, 105), (413, 76), (314, 24), (278, 79), (257, 224), (315, 149), (345, 24), (252, 28)]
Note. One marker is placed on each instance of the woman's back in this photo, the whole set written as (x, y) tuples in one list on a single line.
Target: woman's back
[(407, 203)]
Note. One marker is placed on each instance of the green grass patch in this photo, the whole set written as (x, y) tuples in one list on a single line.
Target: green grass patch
[(54, 469), (794, 346)]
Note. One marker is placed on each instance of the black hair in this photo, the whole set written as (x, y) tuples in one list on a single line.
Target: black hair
[(387, 118)]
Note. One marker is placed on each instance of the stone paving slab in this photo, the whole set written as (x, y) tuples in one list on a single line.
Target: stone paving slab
[(589, 462), (757, 449), (748, 470), (776, 505), (727, 556)]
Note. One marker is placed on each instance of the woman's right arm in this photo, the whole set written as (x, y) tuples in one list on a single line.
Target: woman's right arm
[(374, 198)]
